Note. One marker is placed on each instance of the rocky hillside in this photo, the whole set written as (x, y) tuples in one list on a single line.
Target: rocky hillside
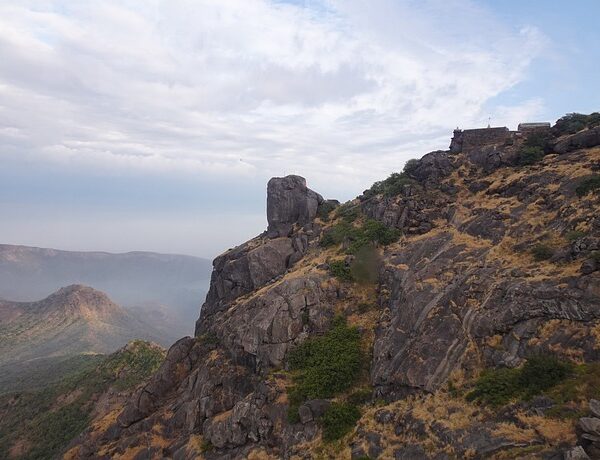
[(39, 340), (450, 311), (40, 424), (167, 287)]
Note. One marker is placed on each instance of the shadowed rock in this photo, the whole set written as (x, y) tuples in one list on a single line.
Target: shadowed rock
[(289, 202)]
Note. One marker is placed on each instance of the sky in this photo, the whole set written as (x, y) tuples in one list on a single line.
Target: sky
[(155, 125)]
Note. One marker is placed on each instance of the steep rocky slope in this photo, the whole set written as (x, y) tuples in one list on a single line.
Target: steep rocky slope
[(451, 311), (39, 339), (40, 424)]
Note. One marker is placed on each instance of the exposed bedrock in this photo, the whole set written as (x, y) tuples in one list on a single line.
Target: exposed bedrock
[(427, 327), (289, 202), (291, 209)]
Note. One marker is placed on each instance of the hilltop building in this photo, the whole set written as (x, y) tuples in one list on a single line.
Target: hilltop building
[(465, 140)]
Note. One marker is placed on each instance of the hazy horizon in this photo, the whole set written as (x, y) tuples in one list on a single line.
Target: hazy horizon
[(155, 126)]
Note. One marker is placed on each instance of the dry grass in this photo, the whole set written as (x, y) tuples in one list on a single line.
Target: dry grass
[(554, 432)]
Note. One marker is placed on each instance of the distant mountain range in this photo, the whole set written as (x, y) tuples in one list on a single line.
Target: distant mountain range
[(41, 339), (167, 289)]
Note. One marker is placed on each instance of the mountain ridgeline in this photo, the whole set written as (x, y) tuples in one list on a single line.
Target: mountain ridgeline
[(41, 341), (450, 311), (166, 288)]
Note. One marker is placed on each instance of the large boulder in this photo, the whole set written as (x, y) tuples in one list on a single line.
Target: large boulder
[(289, 202), (581, 140), (433, 167)]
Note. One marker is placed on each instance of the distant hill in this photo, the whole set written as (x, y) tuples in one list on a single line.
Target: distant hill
[(40, 339), (168, 288), (40, 424)]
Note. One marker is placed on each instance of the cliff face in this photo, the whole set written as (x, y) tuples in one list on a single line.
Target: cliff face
[(474, 260)]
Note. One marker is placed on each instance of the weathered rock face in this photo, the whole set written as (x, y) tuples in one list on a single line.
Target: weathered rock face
[(433, 167), (261, 329), (461, 291), (413, 212), (581, 140), (239, 271), (289, 202)]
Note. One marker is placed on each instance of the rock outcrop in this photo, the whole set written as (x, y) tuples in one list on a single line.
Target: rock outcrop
[(497, 263), (289, 202)]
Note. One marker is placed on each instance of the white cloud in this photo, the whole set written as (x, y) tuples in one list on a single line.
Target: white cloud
[(342, 92)]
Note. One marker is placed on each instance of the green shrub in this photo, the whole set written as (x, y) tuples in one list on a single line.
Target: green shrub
[(325, 209), (530, 155), (497, 387), (542, 252), (349, 212), (541, 373), (338, 420), (364, 269), (338, 233), (392, 186), (370, 233), (540, 139), (574, 235), (591, 184), (340, 270), (325, 366), (410, 166), (572, 123)]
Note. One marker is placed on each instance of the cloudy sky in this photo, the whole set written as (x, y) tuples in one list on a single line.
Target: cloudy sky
[(154, 125)]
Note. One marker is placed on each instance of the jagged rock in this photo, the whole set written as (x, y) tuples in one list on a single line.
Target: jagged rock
[(489, 224), (590, 425), (305, 414), (595, 407), (384, 417), (464, 294), (374, 444), (576, 453), (318, 407), (432, 167), (405, 358), (259, 261), (581, 140), (410, 453), (245, 268), (289, 202), (261, 329), (177, 363), (491, 157)]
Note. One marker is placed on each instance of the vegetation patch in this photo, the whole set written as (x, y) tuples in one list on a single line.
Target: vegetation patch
[(536, 145), (325, 210), (341, 270), (542, 252), (325, 366), (591, 184), (574, 235), (530, 155), (571, 396), (50, 418), (339, 420), (572, 123), (497, 387), (392, 186), (371, 233), (349, 212)]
